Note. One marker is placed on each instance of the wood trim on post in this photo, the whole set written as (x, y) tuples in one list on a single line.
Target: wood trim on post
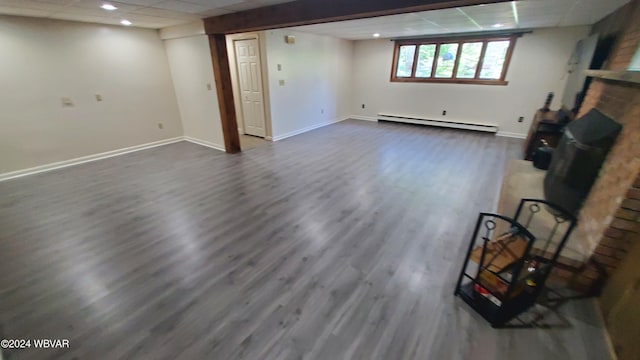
[(222, 73), (306, 12)]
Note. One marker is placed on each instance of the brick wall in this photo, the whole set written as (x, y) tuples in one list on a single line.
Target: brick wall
[(627, 45), (609, 221)]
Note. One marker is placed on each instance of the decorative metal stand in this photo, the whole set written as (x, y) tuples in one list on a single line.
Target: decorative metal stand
[(506, 265)]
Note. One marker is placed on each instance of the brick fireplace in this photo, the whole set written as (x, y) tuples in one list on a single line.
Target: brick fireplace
[(609, 221)]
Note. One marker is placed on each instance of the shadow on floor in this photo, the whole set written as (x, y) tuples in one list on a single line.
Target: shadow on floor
[(547, 313)]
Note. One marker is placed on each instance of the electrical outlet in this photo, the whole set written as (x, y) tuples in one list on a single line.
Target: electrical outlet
[(279, 67), (321, 111), (444, 112), (521, 119), (160, 126), (281, 82), (209, 87), (98, 97)]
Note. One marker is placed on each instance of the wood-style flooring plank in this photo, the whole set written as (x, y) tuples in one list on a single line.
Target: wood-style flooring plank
[(341, 243)]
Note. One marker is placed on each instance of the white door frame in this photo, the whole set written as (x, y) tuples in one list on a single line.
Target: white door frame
[(237, 99)]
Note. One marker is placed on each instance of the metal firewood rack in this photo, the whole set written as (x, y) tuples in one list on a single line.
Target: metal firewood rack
[(508, 260)]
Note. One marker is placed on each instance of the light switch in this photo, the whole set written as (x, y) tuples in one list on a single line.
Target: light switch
[(209, 87), (67, 102), (98, 97)]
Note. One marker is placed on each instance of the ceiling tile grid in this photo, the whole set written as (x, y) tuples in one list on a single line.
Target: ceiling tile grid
[(162, 13), (142, 13), (523, 14)]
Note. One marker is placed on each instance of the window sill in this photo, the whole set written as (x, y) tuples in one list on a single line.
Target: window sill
[(451, 81)]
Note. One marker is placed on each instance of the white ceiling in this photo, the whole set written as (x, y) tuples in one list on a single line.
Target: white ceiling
[(142, 13), (530, 14), (162, 13)]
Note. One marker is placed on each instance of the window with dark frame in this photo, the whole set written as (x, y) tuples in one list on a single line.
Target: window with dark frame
[(453, 60)]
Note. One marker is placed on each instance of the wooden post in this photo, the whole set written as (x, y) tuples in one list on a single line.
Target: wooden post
[(222, 73)]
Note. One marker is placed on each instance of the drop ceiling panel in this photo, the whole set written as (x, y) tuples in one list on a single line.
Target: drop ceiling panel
[(530, 14), (250, 4), (143, 13), (181, 6), (140, 2), (30, 4), (214, 12), (162, 13), (95, 5), (442, 15), (7, 10), (500, 8), (216, 3), (56, 2), (86, 18)]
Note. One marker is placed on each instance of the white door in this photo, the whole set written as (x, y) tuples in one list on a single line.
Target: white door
[(250, 78)]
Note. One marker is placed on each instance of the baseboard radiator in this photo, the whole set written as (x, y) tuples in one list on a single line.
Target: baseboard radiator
[(440, 123)]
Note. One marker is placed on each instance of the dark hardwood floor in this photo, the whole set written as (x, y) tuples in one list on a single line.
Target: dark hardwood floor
[(340, 243)]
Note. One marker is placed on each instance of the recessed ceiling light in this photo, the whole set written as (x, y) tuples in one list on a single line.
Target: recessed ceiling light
[(497, 25), (125, 22), (376, 35), (108, 7)]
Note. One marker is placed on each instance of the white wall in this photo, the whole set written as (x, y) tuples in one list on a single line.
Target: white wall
[(192, 71), (538, 66), (317, 71), (44, 60)]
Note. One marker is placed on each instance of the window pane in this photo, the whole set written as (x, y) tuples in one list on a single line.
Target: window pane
[(494, 59), (426, 53), (446, 60), (469, 57), (405, 60)]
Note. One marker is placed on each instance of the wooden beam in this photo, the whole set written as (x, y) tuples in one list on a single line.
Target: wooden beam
[(306, 12), (222, 73)]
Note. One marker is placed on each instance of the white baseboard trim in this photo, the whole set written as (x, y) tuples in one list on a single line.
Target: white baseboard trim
[(86, 159), (365, 118), (304, 130), (439, 123), (203, 143), (511, 135)]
